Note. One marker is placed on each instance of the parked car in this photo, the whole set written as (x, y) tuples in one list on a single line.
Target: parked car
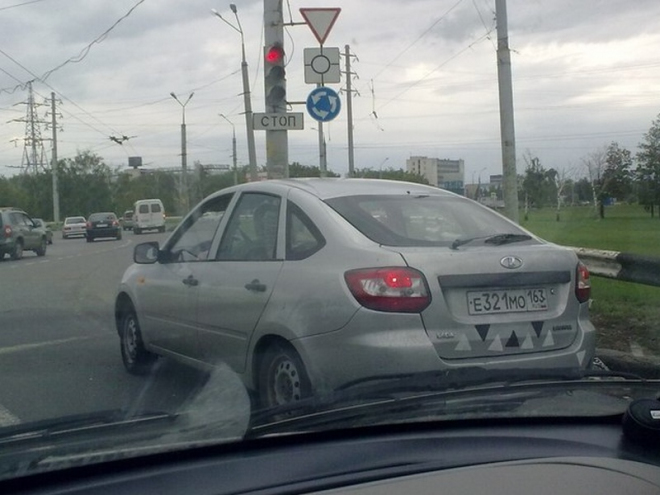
[(103, 224), (127, 220), (74, 227), (49, 233), (19, 233), (149, 214), (338, 278)]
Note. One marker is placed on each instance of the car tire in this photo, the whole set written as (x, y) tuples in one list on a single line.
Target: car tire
[(282, 377), (136, 231), (89, 239), (119, 236), (161, 229), (137, 360), (17, 252), (41, 250)]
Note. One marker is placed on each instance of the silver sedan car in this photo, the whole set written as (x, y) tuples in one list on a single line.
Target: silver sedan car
[(74, 227), (303, 286)]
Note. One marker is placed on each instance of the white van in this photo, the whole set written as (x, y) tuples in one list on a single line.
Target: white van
[(148, 214)]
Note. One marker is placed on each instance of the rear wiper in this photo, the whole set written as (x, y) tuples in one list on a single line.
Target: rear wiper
[(497, 239)]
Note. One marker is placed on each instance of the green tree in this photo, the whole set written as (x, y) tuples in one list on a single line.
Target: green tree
[(391, 174), (648, 167), (85, 184), (298, 170)]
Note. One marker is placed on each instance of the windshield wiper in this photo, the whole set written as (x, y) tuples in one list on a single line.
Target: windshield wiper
[(389, 392), (497, 239)]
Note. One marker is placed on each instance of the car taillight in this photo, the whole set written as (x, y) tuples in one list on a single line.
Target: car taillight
[(7, 231), (395, 289), (582, 284), (89, 225), (115, 223)]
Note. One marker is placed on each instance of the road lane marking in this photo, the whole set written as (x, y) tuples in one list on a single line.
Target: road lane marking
[(27, 347), (7, 418)]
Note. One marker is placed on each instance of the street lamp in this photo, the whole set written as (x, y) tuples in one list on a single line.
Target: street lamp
[(247, 101), (184, 158), (233, 146), (380, 169)]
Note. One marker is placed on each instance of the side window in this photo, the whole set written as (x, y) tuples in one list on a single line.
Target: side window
[(194, 240), (303, 238), (251, 233)]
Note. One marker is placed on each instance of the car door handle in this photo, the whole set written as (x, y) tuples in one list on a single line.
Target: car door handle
[(190, 281), (256, 286)]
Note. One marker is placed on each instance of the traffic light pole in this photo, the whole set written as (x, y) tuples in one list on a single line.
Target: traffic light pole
[(277, 144)]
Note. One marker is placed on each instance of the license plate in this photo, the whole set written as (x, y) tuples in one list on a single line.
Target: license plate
[(486, 302), (101, 224)]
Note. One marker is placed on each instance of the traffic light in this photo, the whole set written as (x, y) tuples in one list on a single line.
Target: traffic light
[(275, 78)]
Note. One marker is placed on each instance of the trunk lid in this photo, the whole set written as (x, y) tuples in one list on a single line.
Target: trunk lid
[(493, 301)]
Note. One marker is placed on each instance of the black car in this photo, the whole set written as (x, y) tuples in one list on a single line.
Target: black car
[(105, 224)]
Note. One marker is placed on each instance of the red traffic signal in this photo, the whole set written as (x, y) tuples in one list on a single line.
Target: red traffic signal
[(275, 54)]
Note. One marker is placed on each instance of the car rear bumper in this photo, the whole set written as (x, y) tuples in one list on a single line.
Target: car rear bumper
[(370, 346), (98, 233)]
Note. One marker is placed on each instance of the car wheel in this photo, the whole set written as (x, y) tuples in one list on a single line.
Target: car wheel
[(41, 250), (161, 229), (137, 360), (282, 377), (17, 253), (89, 239), (119, 236), (136, 231)]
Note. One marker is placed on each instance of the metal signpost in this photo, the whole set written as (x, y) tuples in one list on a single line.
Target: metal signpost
[(322, 67)]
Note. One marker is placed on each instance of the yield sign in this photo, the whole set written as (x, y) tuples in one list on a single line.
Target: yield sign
[(320, 21)]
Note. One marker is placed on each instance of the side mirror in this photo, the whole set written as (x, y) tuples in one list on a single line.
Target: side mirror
[(146, 253)]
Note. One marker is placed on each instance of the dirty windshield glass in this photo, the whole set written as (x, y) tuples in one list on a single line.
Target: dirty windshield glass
[(277, 217)]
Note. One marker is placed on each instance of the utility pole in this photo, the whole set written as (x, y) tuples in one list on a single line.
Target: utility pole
[(507, 130), (277, 144), (349, 111), (54, 168), (233, 146)]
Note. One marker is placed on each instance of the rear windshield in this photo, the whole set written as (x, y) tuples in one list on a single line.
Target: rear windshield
[(96, 217), (419, 220), (74, 220)]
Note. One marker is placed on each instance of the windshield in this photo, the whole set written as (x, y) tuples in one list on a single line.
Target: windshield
[(268, 219), (71, 220)]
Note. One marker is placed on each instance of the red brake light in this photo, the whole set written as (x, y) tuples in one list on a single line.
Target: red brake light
[(395, 289), (582, 284), (89, 225), (7, 231)]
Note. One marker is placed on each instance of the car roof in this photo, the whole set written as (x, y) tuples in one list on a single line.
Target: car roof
[(326, 188)]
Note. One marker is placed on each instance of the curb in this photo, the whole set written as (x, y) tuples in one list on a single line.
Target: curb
[(646, 367)]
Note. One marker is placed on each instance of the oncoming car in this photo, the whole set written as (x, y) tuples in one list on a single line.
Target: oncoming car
[(304, 286)]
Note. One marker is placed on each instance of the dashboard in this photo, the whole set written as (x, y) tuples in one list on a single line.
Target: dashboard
[(468, 457)]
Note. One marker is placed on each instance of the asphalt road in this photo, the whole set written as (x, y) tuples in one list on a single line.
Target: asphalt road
[(59, 350)]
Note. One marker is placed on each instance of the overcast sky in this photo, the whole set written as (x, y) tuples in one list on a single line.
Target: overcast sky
[(585, 73)]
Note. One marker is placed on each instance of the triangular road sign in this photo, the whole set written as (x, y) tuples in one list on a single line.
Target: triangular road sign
[(320, 21)]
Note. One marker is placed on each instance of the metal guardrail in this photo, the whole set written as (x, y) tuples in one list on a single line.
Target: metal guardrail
[(627, 267)]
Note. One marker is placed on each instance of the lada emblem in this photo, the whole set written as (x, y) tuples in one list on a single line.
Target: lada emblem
[(511, 262)]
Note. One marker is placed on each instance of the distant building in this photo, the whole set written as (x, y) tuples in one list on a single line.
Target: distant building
[(444, 173)]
